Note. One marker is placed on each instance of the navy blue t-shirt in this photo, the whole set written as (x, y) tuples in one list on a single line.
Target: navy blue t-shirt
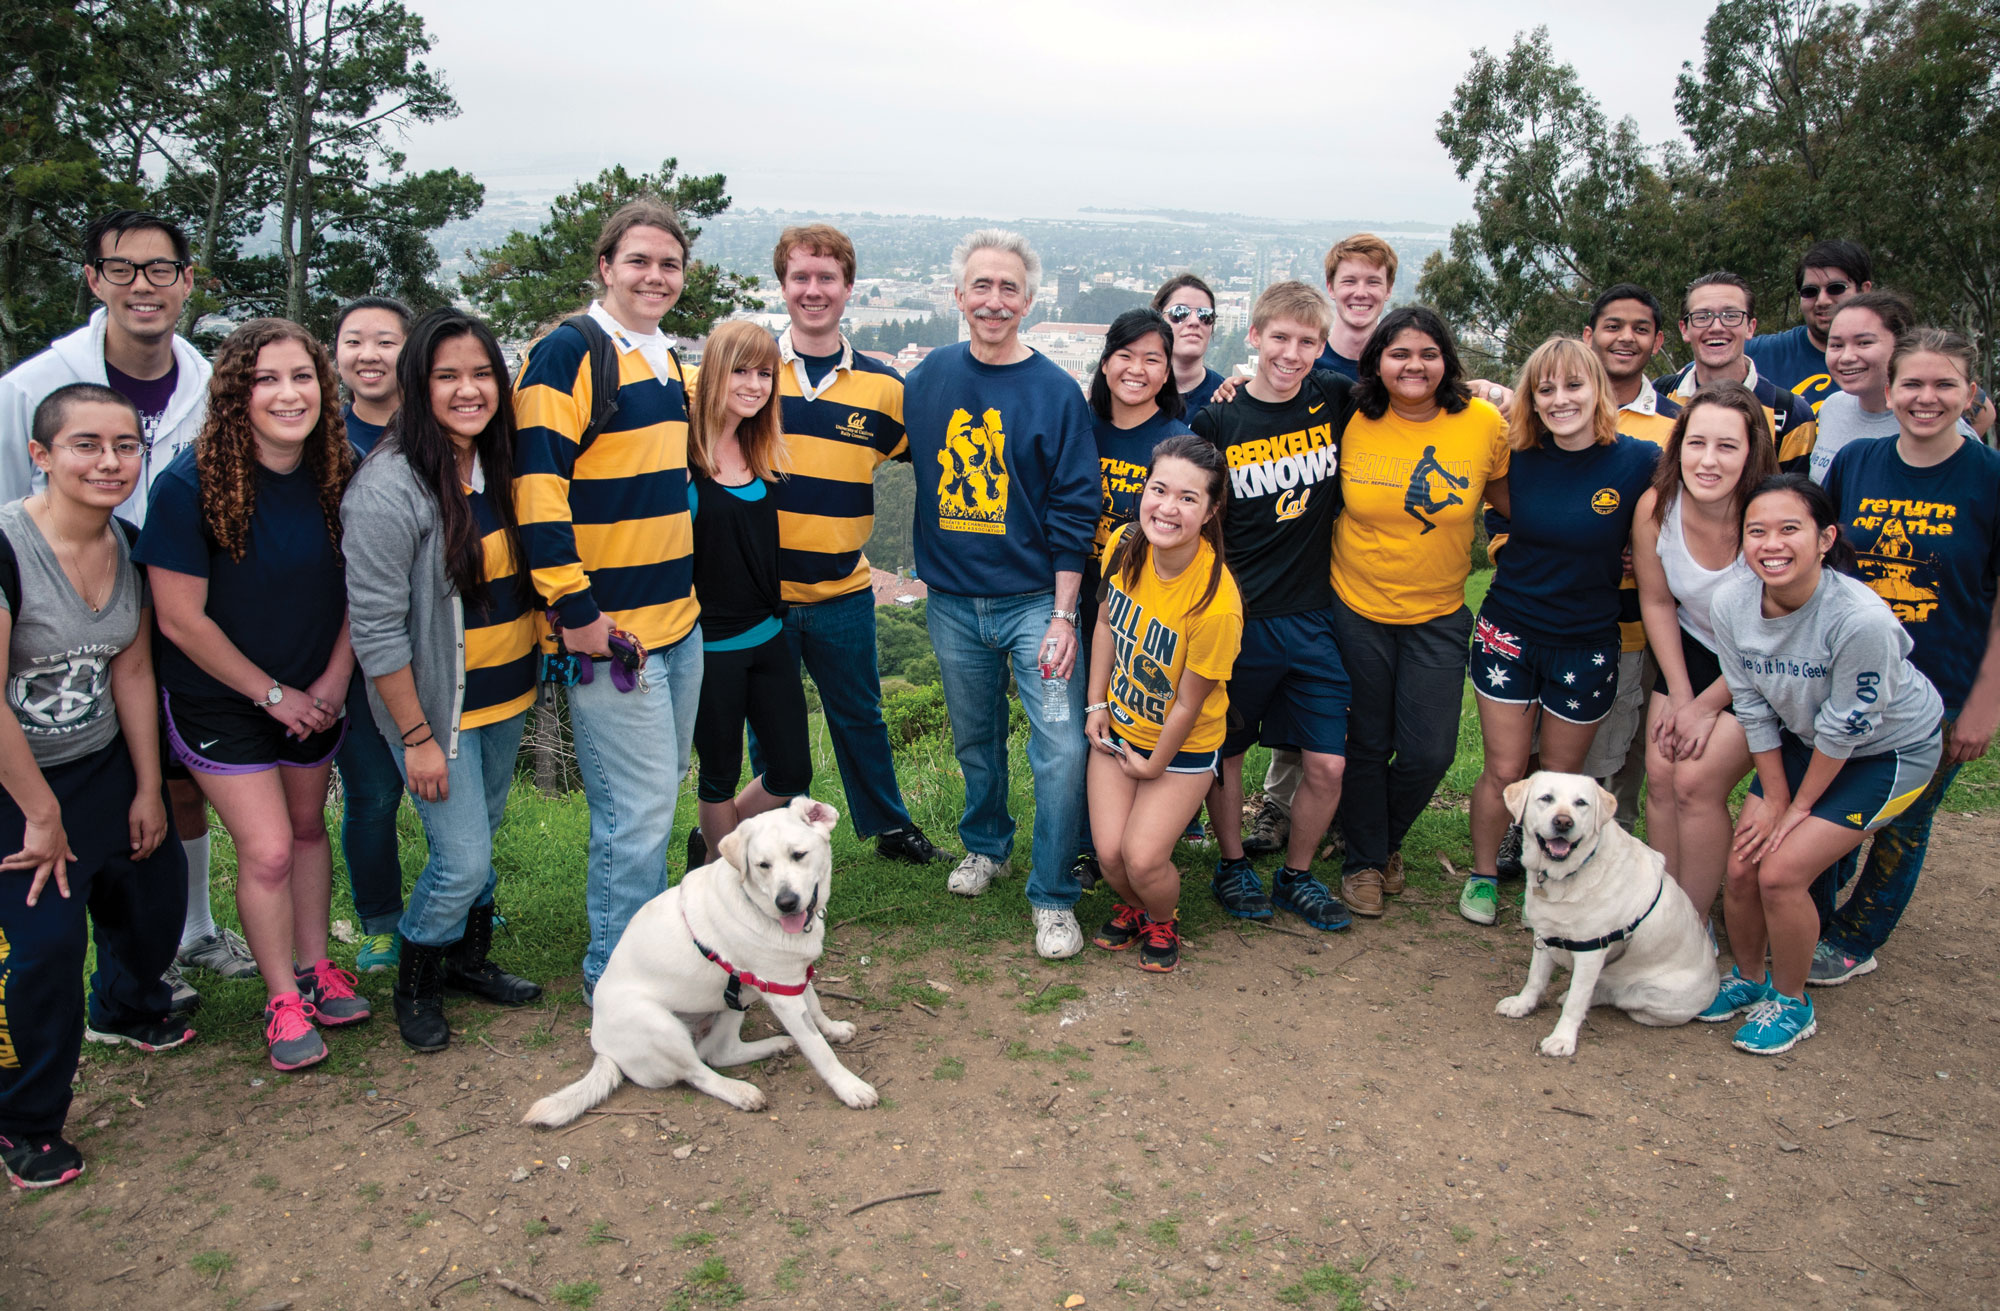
[(282, 604), (1333, 360), (1557, 581), (1790, 360), (361, 434), (1124, 457), (1929, 542), (1203, 392), (818, 366)]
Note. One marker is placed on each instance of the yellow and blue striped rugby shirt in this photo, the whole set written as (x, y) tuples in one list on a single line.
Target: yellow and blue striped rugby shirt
[(834, 442), (605, 523), (500, 638)]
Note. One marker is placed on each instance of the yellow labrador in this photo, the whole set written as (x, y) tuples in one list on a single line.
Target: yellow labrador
[(1600, 902), (747, 925)]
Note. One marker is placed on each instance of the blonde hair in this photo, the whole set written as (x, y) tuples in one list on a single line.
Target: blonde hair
[(1559, 358), (1297, 301), (737, 344), (1366, 247)]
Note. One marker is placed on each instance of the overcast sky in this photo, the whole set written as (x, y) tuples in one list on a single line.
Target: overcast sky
[(1301, 109)]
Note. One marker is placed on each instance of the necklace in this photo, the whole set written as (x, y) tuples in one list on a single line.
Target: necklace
[(95, 594)]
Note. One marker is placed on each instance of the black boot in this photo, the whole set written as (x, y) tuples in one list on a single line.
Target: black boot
[(466, 968), (420, 998)]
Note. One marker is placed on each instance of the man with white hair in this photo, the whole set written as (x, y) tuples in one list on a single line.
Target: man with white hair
[(1007, 503)]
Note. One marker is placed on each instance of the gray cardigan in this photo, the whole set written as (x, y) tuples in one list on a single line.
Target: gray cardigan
[(402, 608)]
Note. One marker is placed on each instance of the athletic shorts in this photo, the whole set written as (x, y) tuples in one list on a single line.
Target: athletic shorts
[(1703, 667), (229, 736), (1869, 791), (1575, 683), (1184, 762), (1289, 687)]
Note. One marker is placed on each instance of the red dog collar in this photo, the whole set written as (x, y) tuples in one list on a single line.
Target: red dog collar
[(732, 995)]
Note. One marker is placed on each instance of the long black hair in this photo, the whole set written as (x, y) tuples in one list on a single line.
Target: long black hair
[(1131, 326), (432, 457), (1372, 397), (1819, 503), (1134, 550)]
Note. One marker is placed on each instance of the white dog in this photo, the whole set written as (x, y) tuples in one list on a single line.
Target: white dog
[(748, 925), (1600, 902)]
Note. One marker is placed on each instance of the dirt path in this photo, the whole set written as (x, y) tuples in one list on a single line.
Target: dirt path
[(1330, 1122)]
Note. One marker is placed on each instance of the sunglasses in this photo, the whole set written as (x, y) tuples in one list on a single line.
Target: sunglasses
[(1181, 314), (1811, 291)]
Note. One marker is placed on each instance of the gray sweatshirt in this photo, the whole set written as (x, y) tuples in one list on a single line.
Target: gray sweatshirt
[(1835, 672)]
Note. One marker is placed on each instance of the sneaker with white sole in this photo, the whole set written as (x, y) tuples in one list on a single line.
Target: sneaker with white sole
[(1479, 899), (1057, 934), (1735, 995), (380, 952), (1832, 967), (222, 952), (185, 998), (976, 873), (1776, 1024)]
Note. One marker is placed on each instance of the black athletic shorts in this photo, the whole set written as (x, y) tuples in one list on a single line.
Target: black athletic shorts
[(230, 736)]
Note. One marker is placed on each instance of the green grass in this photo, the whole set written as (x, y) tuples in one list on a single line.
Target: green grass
[(1324, 1281)]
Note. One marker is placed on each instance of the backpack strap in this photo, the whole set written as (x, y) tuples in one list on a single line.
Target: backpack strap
[(603, 373), (10, 576)]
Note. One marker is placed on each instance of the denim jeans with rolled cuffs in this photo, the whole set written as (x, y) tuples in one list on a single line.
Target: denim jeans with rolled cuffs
[(371, 788), (632, 752), (459, 874), (979, 640)]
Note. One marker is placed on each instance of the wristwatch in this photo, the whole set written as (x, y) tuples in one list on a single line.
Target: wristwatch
[(1068, 616), (275, 695)]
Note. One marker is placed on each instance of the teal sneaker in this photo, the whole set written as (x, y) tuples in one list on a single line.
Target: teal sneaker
[(1736, 995), (1479, 900), (379, 952), (1777, 1024)]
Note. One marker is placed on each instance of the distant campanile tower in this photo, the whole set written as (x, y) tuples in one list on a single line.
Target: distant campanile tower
[(1069, 285)]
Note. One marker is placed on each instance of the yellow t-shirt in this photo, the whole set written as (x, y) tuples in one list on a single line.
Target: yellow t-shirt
[(1154, 639), (1402, 546)]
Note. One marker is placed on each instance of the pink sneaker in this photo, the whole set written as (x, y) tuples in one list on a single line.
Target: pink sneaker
[(288, 1028), (330, 991)]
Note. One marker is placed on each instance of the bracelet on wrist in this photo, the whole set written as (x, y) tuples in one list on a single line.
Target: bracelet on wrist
[(1096, 706), (421, 723), (425, 740)]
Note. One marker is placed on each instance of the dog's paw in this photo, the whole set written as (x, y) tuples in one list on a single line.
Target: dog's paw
[(858, 1094), (838, 1030), (1559, 1044), (1515, 1007)]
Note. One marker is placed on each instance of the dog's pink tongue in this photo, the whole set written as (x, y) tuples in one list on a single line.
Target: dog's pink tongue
[(794, 923)]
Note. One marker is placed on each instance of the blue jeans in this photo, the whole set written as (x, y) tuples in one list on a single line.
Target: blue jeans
[(978, 639), (1895, 860), (459, 874), (835, 641), (371, 787), (632, 751)]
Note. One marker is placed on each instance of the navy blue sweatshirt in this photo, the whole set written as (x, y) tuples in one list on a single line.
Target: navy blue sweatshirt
[(1006, 463)]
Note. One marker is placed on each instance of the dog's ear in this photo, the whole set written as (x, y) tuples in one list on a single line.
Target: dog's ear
[(1515, 795), (1609, 800), (731, 849), (816, 813)]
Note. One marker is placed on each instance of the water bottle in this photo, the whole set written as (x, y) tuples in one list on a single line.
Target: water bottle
[(1055, 691)]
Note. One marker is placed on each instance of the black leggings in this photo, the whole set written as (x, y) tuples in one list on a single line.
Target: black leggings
[(759, 685)]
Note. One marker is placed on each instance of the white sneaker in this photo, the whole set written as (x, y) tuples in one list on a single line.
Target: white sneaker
[(1057, 935), (975, 874)]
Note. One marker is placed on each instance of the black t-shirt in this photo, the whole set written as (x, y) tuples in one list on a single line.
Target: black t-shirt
[(1284, 492), (149, 396), (735, 556), (281, 605)]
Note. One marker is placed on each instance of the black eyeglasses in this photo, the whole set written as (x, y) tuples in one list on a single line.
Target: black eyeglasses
[(122, 272), (1728, 318), (1810, 291), (1180, 313)]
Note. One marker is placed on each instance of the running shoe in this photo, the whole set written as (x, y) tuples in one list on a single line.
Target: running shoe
[(330, 991), (1508, 864), (1239, 891), (1057, 934), (1160, 946), (1310, 900), (1832, 967), (288, 1029), (43, 1165), (975, 874), (1736, 995), (1479, 899), (147, 1035), (380, 953), (222, 952), (1776, 1025), (185, 998), (1085, 870), (1194, 834), (1122, 929), (1270, 829)]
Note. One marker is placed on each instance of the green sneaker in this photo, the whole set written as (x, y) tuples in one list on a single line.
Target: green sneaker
[(379, 952), (1479, 900)]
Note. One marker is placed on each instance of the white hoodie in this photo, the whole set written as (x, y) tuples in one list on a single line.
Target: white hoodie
[(79, 357)]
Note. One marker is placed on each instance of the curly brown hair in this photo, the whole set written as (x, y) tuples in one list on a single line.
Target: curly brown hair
[(225, 455)]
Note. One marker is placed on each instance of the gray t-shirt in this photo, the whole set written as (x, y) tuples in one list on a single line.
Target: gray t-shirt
[(1842, 421), (59, 654), (1835, 672)]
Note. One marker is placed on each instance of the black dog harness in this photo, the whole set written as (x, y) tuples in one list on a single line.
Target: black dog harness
[(732, 995), (1589, 944)]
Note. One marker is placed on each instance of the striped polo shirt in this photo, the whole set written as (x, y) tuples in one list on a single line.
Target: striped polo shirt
[(605, 523), (500, 636), (836, 436)]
